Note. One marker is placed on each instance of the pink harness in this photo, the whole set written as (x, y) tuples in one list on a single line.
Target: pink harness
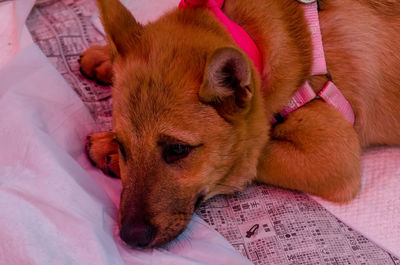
[(330, 93)]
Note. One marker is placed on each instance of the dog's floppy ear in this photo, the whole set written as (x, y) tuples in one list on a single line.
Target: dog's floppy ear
[(122, 30), (227, 82)]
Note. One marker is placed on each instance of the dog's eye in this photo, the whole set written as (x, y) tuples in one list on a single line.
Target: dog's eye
[(175, 152)]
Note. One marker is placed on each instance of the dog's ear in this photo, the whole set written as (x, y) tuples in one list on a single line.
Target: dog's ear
[(227, 82), (122, 30)]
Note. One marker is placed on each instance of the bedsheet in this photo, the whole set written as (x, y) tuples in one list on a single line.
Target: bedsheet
[(58, 209), (375, 212)]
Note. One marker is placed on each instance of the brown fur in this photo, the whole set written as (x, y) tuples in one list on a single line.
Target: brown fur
[(180, 80)]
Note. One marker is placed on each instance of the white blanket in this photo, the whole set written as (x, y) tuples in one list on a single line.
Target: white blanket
[(57, 209), (375, 212)]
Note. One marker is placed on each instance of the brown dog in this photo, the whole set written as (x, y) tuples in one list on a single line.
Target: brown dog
[(191, 115)]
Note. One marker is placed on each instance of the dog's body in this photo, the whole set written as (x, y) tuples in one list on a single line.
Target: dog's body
[(192, 116)]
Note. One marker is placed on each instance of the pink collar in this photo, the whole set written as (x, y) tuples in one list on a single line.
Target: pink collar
[(239, 35), (330, 93)]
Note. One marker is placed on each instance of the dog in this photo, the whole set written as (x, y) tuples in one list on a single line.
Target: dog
[(192, 115)]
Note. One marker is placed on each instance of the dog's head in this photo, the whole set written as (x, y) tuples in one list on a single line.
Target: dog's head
[(187, 115)]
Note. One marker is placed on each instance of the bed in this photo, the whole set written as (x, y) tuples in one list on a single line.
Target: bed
[(56, 208)]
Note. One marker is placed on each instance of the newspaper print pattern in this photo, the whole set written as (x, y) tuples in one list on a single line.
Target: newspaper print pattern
[(274, 226), (63, 31), (266, 224)]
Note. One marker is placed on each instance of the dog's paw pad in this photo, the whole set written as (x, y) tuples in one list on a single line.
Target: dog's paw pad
[(102, 152)]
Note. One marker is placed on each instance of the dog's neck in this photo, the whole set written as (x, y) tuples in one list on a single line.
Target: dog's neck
[(280, 30), (305, 93)]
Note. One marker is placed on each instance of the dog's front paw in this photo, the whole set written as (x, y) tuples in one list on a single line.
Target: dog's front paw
[(95, 64), (102, 151)]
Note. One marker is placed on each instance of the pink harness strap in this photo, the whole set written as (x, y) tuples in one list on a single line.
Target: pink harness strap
[(239, 35), (311, 16), (330, 93)]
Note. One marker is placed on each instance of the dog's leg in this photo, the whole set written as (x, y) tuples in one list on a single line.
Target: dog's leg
[(316, 151), (96, 64), (102, 151)]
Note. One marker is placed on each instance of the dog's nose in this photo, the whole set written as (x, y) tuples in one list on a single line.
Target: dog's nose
[(138, 235)]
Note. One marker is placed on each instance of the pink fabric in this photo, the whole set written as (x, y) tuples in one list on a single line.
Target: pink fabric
[(311, 16), (332, 95), (239, 35), (301, 97)]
